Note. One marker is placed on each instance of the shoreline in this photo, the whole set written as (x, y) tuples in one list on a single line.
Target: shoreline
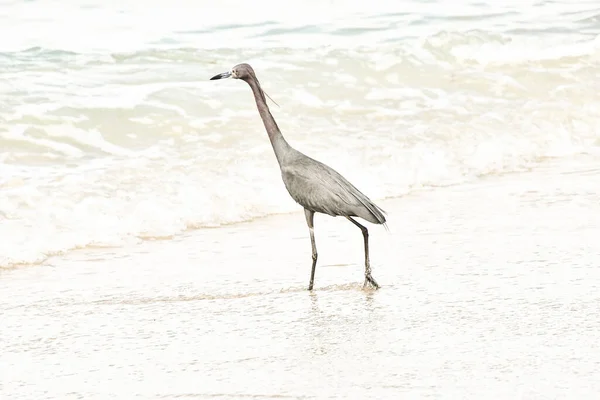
[(133, 242), (329, 231)]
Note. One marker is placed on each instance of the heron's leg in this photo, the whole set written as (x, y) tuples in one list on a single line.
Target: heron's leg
[(368, 277), (309, 220)]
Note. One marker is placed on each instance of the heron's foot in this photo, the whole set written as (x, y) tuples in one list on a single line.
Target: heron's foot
[(310, 286), (370, 281)]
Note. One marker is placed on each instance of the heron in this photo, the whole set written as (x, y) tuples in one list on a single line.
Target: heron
[(315, 186)]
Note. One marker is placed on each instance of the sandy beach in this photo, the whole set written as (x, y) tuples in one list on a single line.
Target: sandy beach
[(489, 290)]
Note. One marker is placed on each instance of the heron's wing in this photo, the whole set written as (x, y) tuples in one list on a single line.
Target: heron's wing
[(320, 188)]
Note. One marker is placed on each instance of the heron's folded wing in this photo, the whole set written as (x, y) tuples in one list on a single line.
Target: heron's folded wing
[(318, 187)]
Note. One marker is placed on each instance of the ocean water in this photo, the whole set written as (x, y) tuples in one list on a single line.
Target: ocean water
[(111, 132)]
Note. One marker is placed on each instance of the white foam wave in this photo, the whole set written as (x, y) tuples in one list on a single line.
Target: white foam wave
[(161, 192), (496, 49)]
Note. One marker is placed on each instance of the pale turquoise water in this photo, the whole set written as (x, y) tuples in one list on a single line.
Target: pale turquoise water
[(111, 132)]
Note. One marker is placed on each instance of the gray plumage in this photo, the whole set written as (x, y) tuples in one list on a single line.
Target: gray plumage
[(312, 184), (319, 188)]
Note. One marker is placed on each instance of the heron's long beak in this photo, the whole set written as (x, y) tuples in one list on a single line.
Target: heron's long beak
[(221, 76)]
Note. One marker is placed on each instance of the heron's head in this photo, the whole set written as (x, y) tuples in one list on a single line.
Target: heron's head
[(240, 71), (245, 73)]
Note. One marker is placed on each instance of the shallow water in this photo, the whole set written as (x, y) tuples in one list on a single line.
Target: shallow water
[(111, 132), (489, 290)]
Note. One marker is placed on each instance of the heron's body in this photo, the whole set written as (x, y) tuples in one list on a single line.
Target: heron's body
[(320, 188), (312, 184)]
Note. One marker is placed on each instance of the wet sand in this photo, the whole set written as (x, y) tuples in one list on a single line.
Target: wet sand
[(490, 290)]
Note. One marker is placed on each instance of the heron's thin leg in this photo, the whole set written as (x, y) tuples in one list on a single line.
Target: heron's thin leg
[(309, 220), (368, 277)]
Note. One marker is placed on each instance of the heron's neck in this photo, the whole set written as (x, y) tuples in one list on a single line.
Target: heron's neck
[(280, 146)]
